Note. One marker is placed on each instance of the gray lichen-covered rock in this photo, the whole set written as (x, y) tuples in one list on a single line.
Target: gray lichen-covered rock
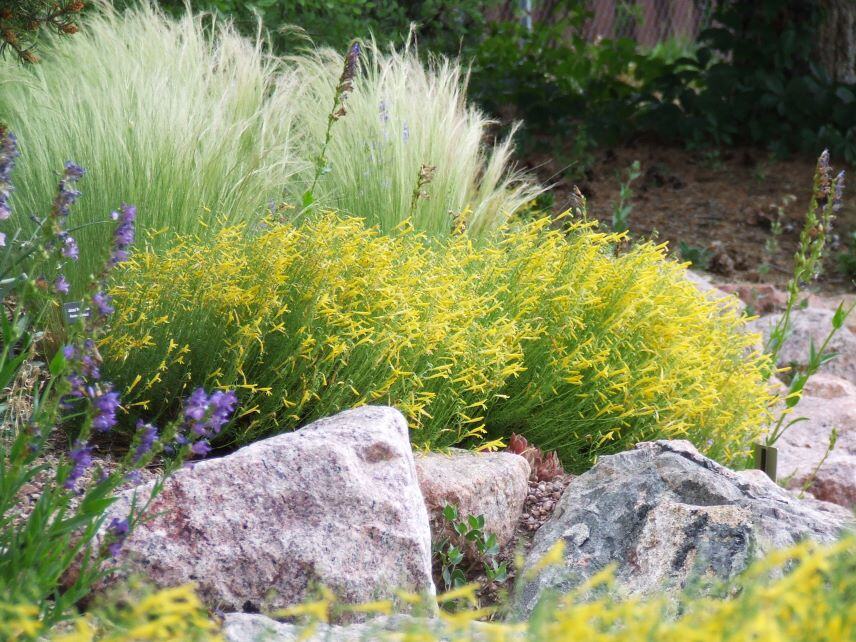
[(336, 503), (813, 324), (664, 513), (491, 484)]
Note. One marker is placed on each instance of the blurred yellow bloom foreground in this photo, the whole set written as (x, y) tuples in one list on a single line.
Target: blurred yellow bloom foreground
[(802, 594)]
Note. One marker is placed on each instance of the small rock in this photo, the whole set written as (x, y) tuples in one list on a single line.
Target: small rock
[(478, 483)]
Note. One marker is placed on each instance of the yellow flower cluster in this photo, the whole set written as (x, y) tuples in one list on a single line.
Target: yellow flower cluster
[(168, 615), (542, 332)]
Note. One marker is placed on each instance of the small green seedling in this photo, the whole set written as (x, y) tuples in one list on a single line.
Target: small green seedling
[(469, 528)]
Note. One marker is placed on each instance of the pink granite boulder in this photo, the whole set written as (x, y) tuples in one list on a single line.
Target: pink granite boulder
[(336, 503)]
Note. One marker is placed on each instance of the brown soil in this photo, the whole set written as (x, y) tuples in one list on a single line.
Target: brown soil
[(723, 203)]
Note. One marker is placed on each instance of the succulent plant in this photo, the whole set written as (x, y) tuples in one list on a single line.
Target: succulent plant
[(543, 466)]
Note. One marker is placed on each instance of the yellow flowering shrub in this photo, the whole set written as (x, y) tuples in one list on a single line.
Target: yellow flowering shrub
[(541, 332)]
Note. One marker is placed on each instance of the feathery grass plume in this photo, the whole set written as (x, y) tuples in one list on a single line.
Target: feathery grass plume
[(191, 124), (539, 332), (402, 116)]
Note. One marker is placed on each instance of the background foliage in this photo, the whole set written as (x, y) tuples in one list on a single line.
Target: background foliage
[(755, 76)]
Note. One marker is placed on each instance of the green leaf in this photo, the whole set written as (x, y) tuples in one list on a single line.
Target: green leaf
[(455, 555), (58, 363), (840, 316), (308, 199), (450, 512)]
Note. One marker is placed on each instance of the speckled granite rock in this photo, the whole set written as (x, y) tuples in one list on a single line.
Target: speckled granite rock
[(490, 484), (664, 513), (829, 402), (335, 503), (813, 323)]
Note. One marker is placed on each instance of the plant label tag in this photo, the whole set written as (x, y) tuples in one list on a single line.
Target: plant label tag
[(74, 310)]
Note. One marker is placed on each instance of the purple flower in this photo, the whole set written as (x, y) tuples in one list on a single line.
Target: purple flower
[(200, 448), (78, 385), (222, 406), (119, 529), (66, 194), (81, 456), (124, 234), (102, 302), (61, 285), (68, 352), (8, 153), (148, 437), (117, 256), (2, 236), (206, 415), (73, 172), (69, 248), (134, 477), (106, 404)]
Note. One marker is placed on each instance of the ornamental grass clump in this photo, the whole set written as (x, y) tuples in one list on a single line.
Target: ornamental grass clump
[(190, 124), (399, 118), (539, 332)]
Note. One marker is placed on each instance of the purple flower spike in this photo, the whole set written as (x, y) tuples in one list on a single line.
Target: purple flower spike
[(147, 440), (73, 172), (206, 415), (106, 404), (200, 448), (119, 528), (66, 194), (222, 405), (61, 285), (8, 153), (81, 456), (69, 248), (124, 235), (102, 303)]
